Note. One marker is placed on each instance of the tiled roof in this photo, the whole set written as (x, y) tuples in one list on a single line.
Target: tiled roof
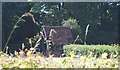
[(62, 36)]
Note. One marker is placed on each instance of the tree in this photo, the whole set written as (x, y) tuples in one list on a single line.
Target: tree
[(102, 17)]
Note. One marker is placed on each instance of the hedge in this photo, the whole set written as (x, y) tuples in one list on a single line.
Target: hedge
[(96, 49)]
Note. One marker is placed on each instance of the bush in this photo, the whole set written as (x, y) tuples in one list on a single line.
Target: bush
[(73, 24), (96, 49)]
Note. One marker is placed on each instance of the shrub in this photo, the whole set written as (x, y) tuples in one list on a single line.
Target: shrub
[(73, 24), (96, 49)]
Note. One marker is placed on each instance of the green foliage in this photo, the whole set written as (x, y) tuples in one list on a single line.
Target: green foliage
[(11, 12), (38, 61), (102, 17), (30, 59), (96, 49), (36, 8), (73, 24)]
